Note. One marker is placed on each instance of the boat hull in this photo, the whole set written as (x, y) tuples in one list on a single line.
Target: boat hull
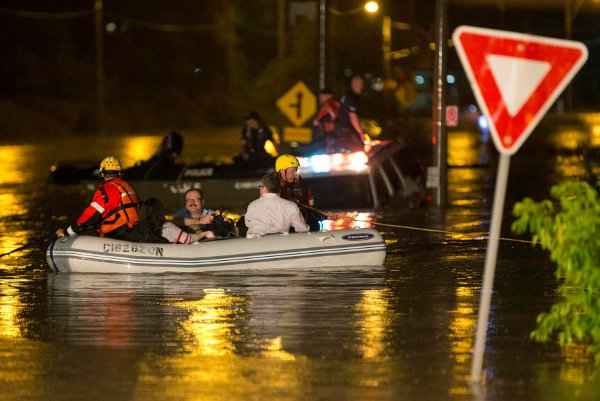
[(333, 249)]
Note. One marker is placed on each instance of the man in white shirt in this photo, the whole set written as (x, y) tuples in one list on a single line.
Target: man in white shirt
[(271, 214)]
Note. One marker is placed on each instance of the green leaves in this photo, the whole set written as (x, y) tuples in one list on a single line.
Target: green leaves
[(568, 226)]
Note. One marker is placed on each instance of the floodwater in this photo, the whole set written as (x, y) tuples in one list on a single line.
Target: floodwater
[(401, 332)]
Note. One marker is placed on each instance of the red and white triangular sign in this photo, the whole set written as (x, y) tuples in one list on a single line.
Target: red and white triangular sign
[(516, 77)]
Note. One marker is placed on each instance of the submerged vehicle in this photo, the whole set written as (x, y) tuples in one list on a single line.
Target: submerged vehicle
[(338, 181), (331, 249)]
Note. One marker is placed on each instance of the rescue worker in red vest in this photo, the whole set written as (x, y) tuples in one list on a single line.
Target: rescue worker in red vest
[(113, 211), (294, 189)]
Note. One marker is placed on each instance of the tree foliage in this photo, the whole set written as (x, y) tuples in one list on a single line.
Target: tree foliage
[(568, 226)]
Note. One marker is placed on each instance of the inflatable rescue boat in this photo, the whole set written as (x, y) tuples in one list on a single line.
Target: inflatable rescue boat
[(320, 250)]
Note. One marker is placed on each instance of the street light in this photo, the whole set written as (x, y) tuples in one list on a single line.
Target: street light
[(370, 7)]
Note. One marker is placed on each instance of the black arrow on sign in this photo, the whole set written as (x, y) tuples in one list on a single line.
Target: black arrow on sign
[(297, 105)]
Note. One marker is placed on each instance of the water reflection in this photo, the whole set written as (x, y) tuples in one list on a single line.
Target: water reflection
[(10, 306), (461, 337), (14, 167), (464, 148), (577, 368), (570, 167), (211, 322), (136, 148), (373, 320)]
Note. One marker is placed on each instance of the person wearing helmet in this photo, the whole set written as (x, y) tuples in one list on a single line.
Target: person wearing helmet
[(293, 189), (292, 185), (113, 211)]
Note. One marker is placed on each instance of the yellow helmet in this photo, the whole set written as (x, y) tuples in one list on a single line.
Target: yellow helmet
[(110, 163), (286, 161)]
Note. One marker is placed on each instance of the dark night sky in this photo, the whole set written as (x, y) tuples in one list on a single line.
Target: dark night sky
[(56, 57)]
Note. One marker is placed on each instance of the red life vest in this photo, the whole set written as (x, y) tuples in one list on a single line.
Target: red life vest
[(124, 210)]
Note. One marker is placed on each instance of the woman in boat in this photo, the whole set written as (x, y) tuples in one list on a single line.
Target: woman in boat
[(153, 226)]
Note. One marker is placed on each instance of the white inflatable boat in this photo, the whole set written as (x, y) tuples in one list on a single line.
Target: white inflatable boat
[(343, 248)]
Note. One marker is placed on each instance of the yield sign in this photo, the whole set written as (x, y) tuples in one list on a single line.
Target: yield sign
[(516, 77)]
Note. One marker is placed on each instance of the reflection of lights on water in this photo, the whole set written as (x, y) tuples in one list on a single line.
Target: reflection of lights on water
[(13, 169), (577, 359), (570, 166), (463, 148), (373, 320), (139, 148), (11, 204), (210, 322), (595, 136), (274, 349), (466, 202), (461, 329), (569, 139), (10, 305)]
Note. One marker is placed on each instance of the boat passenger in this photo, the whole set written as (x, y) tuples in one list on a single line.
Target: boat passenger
[(349, 133), (153, 226), (271, 214), (113, 210), (193, 214), (254, 136)]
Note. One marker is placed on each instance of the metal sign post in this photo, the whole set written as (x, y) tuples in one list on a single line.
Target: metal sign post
[(490, 266)]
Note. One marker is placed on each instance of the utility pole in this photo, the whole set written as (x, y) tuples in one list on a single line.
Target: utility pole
[(281, 28), (386, 47), (439, 135), (322, 43), (98, 8)]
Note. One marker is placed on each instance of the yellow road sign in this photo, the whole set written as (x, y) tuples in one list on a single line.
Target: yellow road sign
[(298, 104), (295, 134)]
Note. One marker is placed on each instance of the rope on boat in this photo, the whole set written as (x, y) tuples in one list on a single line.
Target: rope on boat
[(414, 228), (434, 230)]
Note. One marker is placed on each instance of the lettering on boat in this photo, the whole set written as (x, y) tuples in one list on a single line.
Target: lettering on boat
[(134, 249), (182, 187), (242, 185), (198, 172), (357, 237)]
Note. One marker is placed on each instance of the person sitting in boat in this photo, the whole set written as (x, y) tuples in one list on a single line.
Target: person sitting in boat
[(254, 136), (164, 161), (153, 226), (292, 188), (113, 210), (194, 217), (193, 214), (271, 214)]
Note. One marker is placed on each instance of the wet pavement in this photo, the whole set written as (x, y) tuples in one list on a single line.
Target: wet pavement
[(401, 332)]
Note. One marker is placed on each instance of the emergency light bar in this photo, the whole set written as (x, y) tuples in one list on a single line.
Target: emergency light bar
[(356, 162)]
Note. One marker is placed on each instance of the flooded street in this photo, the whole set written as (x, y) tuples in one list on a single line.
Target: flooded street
[(401, 332)]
